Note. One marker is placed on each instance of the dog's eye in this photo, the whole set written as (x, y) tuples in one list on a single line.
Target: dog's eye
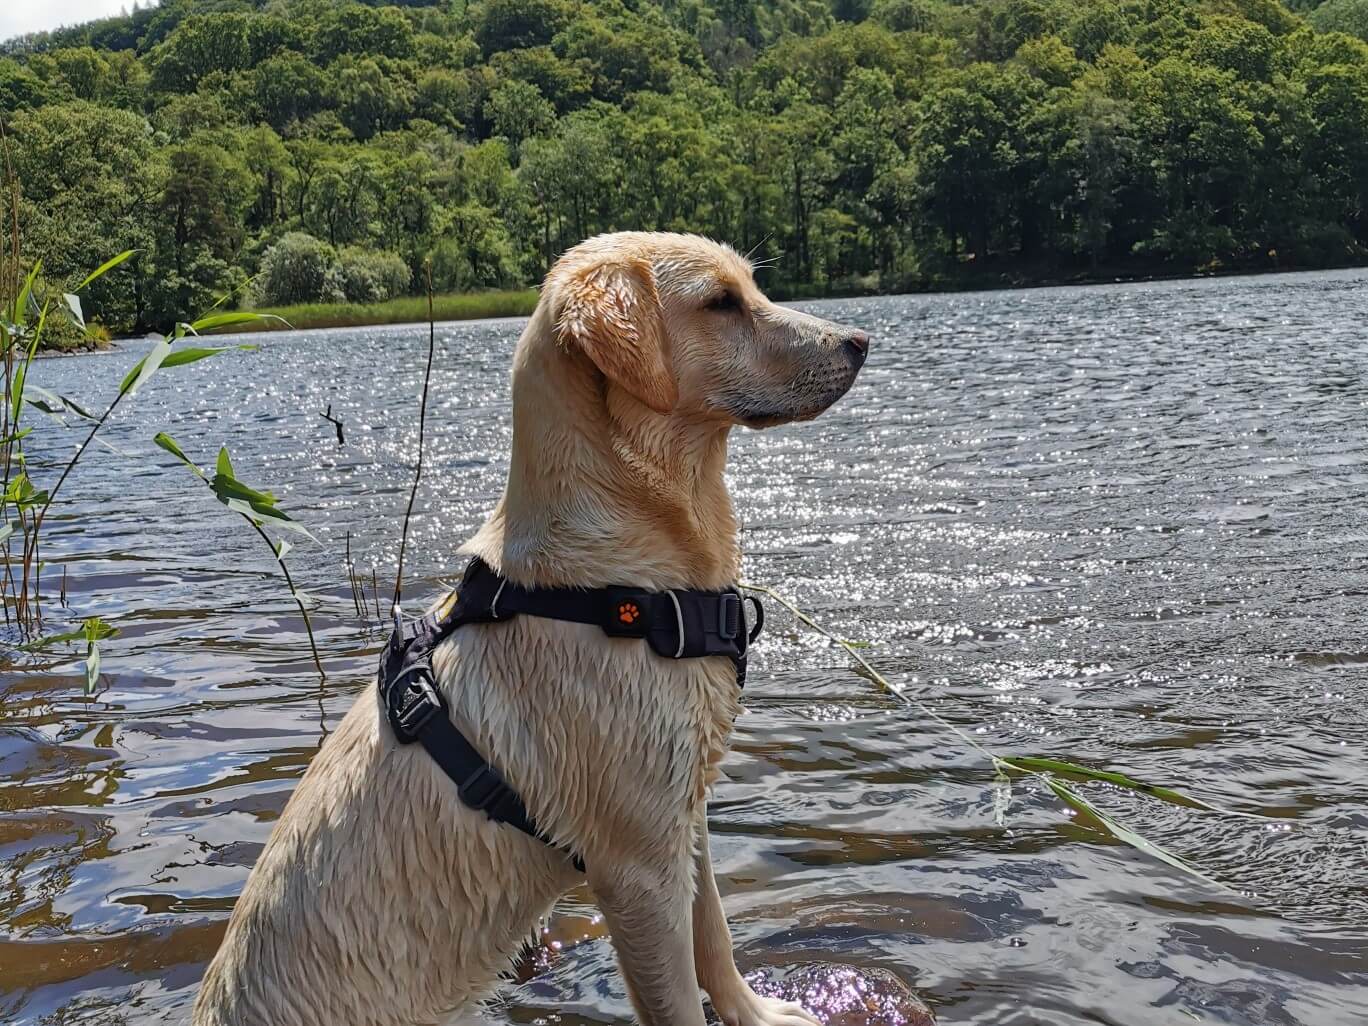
[(724, 302)]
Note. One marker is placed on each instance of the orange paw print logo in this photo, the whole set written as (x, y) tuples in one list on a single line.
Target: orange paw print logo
[(628, 613)]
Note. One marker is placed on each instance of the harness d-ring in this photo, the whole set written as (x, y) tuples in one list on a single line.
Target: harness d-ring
[(679, 622), (759, 608)]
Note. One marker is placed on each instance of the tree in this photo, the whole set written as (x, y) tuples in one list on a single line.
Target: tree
[(358, 30), (964, 160), (287, 87), (372, 97), (1347, 16), (297, 269), (202, 44), (517, 24), (519, 110)]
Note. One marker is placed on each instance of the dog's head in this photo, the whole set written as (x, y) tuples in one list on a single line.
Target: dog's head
[(678, 323)]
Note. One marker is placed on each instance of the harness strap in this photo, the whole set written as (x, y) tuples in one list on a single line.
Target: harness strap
[(418, 712), (676, 624)]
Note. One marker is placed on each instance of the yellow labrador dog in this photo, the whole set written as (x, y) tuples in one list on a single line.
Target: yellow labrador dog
[(382, 900)]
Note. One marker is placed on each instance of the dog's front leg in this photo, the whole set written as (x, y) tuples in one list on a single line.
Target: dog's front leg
[(649, 913), (732, 997)]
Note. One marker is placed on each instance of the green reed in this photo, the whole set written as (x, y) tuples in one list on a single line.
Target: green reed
[(260, 510), (1054, 773)]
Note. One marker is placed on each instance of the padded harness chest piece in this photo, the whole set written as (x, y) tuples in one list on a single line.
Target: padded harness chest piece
[(676, 624)]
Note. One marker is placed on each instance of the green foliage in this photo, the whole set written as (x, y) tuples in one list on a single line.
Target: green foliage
[(861, 144), (370, 276), (297, 269), (259, 509), (1347, 16)]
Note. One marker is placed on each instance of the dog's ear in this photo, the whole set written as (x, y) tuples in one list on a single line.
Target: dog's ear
[(612, 313)]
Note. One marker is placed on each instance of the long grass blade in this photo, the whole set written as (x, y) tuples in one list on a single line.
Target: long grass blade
[(105, 268), (1078, 803), (146, 367), (1043, 768)]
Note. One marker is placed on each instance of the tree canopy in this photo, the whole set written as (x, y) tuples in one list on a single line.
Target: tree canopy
[(323, 146)]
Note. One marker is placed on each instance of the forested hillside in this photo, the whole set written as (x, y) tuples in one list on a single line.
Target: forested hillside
[(334, 147)]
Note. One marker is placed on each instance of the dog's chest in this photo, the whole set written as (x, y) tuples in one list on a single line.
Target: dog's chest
[(573, 712)]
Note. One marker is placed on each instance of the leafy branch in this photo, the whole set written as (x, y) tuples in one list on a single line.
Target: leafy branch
[(259, 509), (16, 330)]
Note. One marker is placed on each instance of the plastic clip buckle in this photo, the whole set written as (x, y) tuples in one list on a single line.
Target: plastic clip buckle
[(728, 615), (414, 701)]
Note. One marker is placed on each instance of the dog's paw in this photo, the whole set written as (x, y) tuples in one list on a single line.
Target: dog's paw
[(753, 1010)]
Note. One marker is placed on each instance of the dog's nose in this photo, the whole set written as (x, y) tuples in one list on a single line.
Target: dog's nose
[(857, 345)]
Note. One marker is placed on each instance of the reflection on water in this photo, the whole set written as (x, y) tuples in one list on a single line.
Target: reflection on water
[(1124, 525)]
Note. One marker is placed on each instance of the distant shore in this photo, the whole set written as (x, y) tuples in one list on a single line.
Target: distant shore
[(467, 306), (520, 302)]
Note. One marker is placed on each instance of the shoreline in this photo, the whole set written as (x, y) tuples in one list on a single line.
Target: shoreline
[(479, 306)]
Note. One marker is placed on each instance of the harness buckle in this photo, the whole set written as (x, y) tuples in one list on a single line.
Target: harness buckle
[(728, 615), (412, 702)]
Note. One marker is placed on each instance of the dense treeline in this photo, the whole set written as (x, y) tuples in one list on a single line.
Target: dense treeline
[(877, 144)]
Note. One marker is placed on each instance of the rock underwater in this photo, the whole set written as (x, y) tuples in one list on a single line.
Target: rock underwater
[(844, 995)]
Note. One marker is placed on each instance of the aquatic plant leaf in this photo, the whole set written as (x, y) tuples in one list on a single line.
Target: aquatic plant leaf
[(260, 513), (227, 486), (16, 486), (225, 464), (6, 529), (52, 639), (41, 399), (105, 268), (145, 368), (1031, 764), (73, 305), (94, 628), (76, 408), (242, 507), (193, 354), (21, 371), (1002, 797), (21, 493), (213, 322), (1078, 803), (169, 444), (92, 667), (107, 444), (280, 519), (21, 300)]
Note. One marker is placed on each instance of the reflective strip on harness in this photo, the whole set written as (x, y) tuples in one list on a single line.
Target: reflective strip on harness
[(676, 624)]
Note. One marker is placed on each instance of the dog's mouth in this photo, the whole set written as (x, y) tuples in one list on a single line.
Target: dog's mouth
[(758, 411)]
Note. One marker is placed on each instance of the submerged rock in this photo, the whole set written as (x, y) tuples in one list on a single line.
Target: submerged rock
[(844, 995)]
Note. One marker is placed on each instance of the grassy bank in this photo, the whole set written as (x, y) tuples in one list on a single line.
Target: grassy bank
[(407, 310), (519, 303)]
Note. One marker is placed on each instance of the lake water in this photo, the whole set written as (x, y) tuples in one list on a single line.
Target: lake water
[(1124, 525)]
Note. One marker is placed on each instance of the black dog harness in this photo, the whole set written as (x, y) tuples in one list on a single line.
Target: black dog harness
[(676, 624)]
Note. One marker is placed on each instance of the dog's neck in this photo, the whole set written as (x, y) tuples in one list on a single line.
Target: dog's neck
[(603, 491)]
